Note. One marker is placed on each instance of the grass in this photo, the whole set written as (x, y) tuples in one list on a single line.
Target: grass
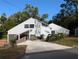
[(12, 52), (73, 42)]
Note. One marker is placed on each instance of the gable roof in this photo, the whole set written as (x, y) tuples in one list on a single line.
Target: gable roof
[(55, 26), (20, 28)]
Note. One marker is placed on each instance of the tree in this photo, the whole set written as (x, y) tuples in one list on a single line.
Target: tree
[(9, 24), (17, 18), (44, 16), (32, 11), (3, 18), (2, 21), (68, 15), (24, 16)]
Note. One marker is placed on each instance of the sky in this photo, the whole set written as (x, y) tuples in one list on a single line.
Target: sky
[(52, 7)]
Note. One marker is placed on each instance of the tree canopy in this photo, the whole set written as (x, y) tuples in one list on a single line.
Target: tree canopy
[(16, 18), (68, 15)]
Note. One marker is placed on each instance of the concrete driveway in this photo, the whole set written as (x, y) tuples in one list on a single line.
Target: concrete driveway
[(40, 46)]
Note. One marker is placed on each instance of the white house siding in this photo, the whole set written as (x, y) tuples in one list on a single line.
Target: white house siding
[(58, 29), (45, 31), (12, 36), (19, 29), (38, 30)]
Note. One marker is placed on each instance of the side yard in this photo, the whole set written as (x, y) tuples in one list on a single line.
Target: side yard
[(69, 41)]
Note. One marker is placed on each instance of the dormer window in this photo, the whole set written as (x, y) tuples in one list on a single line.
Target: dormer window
[(31, 25), (26, 26)]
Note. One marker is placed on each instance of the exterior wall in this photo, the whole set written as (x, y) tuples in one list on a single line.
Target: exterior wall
[(58, 29), (20, 28), (13, 36), (45, 31), (64, 31), (38, 29)]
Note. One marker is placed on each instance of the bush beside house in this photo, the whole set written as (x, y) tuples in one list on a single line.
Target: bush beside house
[(13, 42), (63, 40), (54, 37)]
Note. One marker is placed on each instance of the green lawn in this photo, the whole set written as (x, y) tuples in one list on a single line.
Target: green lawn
[(73, 42), (12, 52)]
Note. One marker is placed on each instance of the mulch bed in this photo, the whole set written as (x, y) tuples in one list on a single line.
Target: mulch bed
[(12, 52), (3, 42)]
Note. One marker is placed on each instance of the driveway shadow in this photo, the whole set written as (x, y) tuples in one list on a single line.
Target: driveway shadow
[(71, 53)]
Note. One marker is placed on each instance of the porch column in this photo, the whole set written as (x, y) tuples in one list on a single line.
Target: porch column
[(18, 37), (8, 38), (29, 31)]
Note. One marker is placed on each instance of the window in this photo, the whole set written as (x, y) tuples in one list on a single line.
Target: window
[(53, 32), (26, 26), (31, 25)]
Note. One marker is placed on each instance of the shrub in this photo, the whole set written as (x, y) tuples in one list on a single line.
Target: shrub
[(61, 35), (48, 38), (42, 36), (13, 42), (55, 37)]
